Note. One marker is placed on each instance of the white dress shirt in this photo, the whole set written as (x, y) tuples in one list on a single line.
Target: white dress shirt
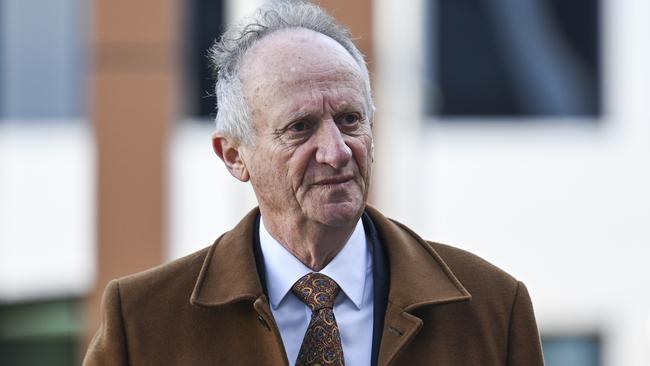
[(353, 308)]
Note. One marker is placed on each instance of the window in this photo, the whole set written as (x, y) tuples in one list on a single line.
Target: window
[(41, 333), (42, 59), (204, 24), (570, 350), (514, 58)]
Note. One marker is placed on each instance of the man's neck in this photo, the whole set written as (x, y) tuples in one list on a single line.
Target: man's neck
[(313, 243)]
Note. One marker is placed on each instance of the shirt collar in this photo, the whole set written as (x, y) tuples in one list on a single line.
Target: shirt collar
[(348, 268)]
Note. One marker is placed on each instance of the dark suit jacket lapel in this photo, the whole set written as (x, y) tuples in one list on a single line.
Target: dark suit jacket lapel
[(380, 276)]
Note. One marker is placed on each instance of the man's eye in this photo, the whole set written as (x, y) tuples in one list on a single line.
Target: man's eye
[(350, 118), (299, 126)]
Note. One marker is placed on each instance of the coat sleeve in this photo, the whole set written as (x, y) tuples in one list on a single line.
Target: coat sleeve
[(524, 347), (108, 346)]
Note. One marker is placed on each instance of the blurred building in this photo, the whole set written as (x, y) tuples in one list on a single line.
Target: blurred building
[(517, 130)]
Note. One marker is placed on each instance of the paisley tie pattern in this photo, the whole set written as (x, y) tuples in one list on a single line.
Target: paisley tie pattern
[(322, 343)]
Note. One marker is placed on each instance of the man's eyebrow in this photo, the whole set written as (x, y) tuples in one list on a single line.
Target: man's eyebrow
[(298, 114), (301, 113), (352, 106)]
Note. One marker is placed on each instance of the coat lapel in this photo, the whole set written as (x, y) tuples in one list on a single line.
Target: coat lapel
[(418, 277), (229, 272)]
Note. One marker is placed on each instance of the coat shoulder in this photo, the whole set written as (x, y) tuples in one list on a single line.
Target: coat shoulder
[(486, 283), (162, 273), (466, 264), (480, 277), (470, 269), (166, 283)]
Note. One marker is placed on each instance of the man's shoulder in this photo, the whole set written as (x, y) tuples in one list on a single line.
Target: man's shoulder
[(469, 267), (175, 277), (489, 286)]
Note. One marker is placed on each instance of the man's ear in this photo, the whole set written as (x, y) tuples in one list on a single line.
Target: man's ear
[(228, 150)]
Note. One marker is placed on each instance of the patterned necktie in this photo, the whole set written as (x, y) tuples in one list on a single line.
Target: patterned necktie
[(322, 343)]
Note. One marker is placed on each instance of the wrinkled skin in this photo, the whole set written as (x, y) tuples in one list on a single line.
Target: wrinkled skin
[(311, 161)]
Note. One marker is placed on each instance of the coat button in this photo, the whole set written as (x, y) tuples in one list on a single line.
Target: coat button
[(263, 322)]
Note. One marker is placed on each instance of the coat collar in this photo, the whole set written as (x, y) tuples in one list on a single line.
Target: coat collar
[(229, 273), (418, 276)]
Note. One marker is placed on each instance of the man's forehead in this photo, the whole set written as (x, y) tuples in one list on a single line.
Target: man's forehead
[(294, 49)]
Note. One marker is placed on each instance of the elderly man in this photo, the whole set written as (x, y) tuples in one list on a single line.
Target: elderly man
[(314, 276)]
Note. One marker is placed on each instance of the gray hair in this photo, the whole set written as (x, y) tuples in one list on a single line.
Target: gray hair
[(233, 112)]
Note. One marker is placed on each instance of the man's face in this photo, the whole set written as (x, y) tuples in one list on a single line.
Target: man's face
[(311, 158)]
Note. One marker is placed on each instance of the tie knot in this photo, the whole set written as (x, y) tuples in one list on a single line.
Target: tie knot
[(316, 290)]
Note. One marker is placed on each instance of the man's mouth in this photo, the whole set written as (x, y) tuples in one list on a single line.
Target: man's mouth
[(333, 180)]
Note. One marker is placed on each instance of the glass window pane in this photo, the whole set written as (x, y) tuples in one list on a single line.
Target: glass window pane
[(42, 58), (204, 24), (510, 57), (571, 350)]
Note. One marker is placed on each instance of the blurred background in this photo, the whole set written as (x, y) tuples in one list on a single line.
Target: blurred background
[(518, 130)]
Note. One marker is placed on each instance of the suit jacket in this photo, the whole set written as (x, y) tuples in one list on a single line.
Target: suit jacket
[(444, 307)]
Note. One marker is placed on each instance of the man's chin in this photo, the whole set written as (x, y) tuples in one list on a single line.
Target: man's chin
[(338, 214)]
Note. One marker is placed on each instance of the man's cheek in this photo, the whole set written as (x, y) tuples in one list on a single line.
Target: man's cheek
[(361, 153)]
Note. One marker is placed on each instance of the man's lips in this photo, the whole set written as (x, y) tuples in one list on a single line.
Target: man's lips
[(333, 180)]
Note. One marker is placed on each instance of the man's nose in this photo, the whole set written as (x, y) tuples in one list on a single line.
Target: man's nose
[(331, 147)]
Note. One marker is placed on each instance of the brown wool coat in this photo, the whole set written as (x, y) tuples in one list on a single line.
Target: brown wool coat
[(445, 307)]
